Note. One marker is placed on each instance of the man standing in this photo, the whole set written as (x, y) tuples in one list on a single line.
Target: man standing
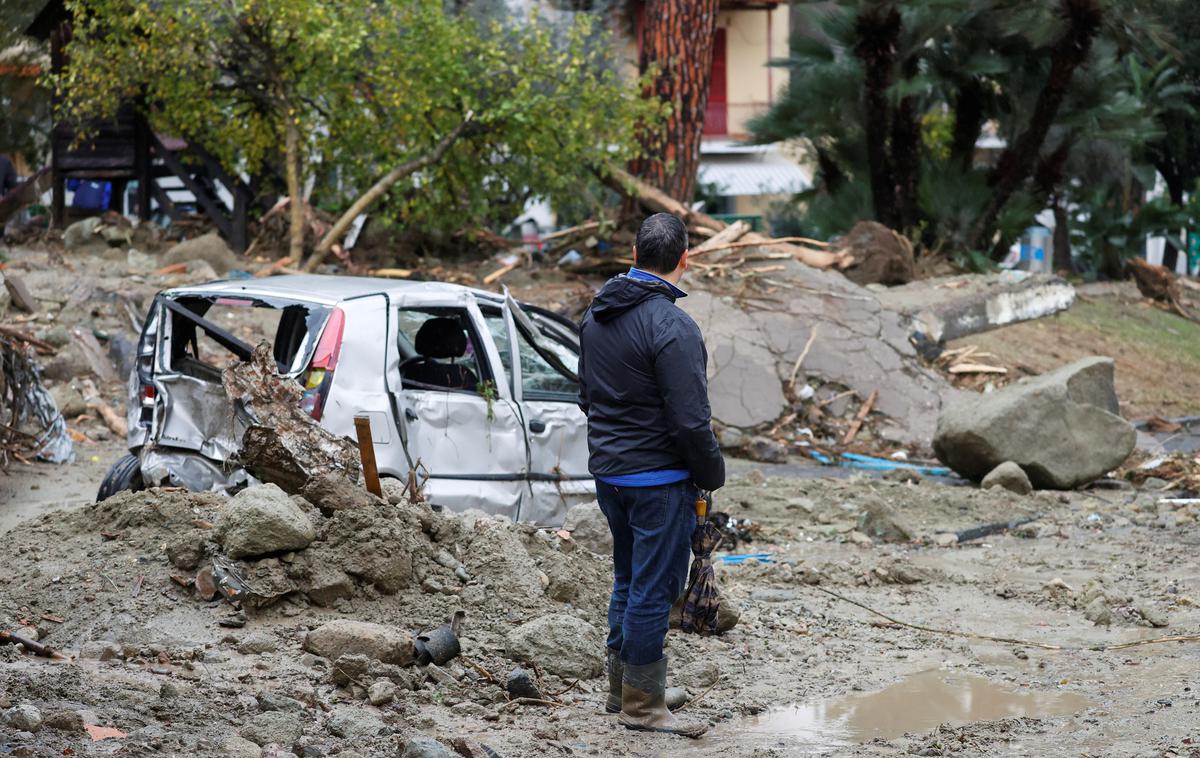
[(643, 387)]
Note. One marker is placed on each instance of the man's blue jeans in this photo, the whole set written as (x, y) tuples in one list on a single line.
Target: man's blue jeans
[(652, 536)]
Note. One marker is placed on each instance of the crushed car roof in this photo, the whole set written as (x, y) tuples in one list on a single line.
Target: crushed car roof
[(321, 289)]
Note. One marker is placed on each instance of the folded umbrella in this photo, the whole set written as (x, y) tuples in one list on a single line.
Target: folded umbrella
[(703, 598)]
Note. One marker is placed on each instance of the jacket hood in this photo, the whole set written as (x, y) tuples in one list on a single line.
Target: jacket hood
[(621, 293)]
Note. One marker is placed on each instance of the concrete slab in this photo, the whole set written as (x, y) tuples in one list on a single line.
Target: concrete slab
[(753, 344), (950, 307)]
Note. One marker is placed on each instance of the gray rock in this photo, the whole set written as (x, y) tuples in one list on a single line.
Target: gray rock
[(879, 522), (258, 642), (240, 747), (676, 697), (80, 233), (275, 727), (353, 722), (345, 636), (766, 450), (209, 248), (261, 520), (100, 650), (63, 721), (274, 701), (70, 403), (589, 528), (348, 670), (23, 718), (1098, 612), (1151, 615), (698, 674), (427, 747), (381, 692), (520, 684), (1062, 428), (562, 645), (1009, 476)]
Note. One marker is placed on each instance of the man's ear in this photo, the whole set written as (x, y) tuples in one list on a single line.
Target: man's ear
[(635, 260), (683, 260)]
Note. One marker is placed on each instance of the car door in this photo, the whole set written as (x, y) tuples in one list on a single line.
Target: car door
[(547, 391), (465, 443)]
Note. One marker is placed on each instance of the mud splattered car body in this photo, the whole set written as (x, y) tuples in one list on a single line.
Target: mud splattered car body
[(430, 364)]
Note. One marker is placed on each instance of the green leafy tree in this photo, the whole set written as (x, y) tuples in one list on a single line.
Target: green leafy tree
[(443, 120)]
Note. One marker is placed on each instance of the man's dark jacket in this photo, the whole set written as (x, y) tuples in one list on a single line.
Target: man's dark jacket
[(643, 387)]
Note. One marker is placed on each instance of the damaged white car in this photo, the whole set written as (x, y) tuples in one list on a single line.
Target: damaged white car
[(430, 364)]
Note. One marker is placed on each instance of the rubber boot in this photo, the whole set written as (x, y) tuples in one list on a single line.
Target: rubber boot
[(644, 702), (616, 670)]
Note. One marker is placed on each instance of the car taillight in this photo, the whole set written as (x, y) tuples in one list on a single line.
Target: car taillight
[(319, 376)]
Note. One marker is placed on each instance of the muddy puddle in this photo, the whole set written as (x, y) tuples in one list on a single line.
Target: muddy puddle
[(915, 704)]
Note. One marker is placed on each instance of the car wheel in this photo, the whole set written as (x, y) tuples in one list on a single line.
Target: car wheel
[(125, 474)]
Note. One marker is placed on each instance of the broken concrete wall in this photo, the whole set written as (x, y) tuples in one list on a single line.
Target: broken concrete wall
[(753, 343), (946, 308)]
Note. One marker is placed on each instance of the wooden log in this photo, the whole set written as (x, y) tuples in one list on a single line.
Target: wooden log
[(860, 417), (657, 200), (499, 273), (114, 421), (721, 239), (101, 366), (366, 453)]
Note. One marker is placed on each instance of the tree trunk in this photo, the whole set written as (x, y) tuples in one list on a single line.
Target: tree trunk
[(1083, 18), (968, 124), (379, 188), (906, 158), (295, 193), (1062, 237), (677, 38), (877, 30)]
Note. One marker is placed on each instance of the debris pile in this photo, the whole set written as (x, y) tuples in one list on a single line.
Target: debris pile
[(30, 423)]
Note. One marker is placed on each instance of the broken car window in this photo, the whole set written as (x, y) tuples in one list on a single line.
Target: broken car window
[(439, 350), (209, 333)]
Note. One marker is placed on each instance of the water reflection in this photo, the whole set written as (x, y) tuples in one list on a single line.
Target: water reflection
[(916, 704)]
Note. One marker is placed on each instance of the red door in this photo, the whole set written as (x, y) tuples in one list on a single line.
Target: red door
[(717, 115)]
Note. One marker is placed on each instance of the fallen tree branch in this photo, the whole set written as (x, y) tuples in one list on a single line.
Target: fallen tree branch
[(656, 200), (719, 240), (765, 242), (113, 420), (860, 417), (800, 359), (379, 188)]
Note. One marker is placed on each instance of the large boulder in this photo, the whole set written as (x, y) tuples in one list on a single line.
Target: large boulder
[(209, 248), (263, 520), (560, 644), (349, 637), (1061, 428)]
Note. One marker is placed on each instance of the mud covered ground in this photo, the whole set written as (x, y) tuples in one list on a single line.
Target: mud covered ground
[(176, 682)]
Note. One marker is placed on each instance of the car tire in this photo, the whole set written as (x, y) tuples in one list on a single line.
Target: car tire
[(125, 474)]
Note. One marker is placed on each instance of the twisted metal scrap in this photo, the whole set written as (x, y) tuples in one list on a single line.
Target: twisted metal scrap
[(30, 424)]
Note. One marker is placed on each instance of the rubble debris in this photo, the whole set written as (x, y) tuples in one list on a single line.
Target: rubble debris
[(81, 232), (559, 644), (273, 728), (879, 521), (23, 718), (427, 747), (31, 424), (1159, 284), (263, 520), (282, 444), (1061, 428), (1009, 476), (589, 527), (440, 644), (881, 255), (765, 450), (209, 248), (346, 636)]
